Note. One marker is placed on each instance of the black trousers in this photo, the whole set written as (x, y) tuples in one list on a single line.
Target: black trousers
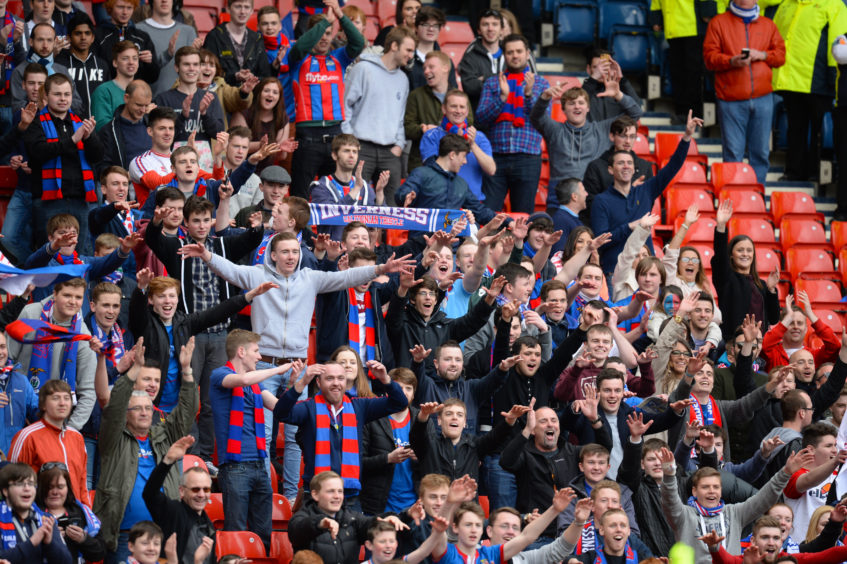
[(685, 63), (839, 121), (313, 157), (805, 118)]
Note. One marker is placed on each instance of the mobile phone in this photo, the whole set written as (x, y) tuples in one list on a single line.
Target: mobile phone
[(745, 53), (66, 520)]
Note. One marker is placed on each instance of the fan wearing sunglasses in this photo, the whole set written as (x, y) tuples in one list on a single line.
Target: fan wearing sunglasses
[(187, 518), (77, 524)]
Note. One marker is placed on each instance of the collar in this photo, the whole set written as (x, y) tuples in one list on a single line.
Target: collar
[(569, 210)]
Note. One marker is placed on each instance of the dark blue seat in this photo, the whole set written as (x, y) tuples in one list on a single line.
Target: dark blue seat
[(614, 12), (630, 45), (577, 20)]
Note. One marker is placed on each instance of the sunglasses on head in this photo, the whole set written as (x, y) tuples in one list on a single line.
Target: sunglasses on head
[(50, 465)]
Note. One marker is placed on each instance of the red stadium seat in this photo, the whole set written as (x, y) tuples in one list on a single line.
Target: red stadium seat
[(371, 28), (832, 319), (243, 543), (838, 234), (842, 265), (802, 233), (274, 480), (794, 203), (457, 31), (767, 259), (678, 200), (483, 502), (744, 201), (820, 290), (566, 81), (386, 9), (367, 6), (281, 550), (665, 145), (811, 264), (455, 51), (702, 231), (758, 229), (690, 173), (541, 199), (205, 20), (758, 188), (215, 510), (281, 514), (732, 173), (190, 460), (706, 253), (642, 148)]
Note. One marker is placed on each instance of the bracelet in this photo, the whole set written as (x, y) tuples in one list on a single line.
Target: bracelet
[(595, 421), (685, 226)]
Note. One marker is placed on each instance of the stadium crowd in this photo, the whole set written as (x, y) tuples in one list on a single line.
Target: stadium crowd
[(207, 293)]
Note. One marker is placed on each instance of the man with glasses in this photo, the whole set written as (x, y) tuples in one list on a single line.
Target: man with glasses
[(130, 446), (50, 439), (187, 516), (428, 24), (622, 134), (32, 535)]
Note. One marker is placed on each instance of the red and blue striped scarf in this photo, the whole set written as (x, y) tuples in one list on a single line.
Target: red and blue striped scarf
[(370, 325), (587, 539), (513, 107), (704, 415), (349, 441), (705, 511), (236, 421), (51, 172), (8, 64), (629, 554), (342, 189), (272, 45), (199, 185), (8, 537), (113, 343), (451, 127), (73, 259), (41, 362)]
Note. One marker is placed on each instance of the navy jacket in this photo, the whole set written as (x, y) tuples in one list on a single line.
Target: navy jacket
[(612, 211), (302, 414), (564, 221), (437, 188)]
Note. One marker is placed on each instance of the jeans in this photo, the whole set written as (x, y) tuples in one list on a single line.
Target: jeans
[(313, 158), (209, 354), (292, 453), (747, 123), (501, 485), (17, 225), (6, 115), (122, 552), (44, 210), (247, 498), (378, 158), (517, 174), (93, 469)]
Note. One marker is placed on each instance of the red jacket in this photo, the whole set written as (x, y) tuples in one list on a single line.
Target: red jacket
[(774, 352), (829, 556), (725, 38)]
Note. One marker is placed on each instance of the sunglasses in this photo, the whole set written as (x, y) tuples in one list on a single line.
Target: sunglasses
[(50, 465), (198, 489)]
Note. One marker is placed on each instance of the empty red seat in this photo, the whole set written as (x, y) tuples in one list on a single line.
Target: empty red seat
[(642, 148), (386, 10), (690, 173), (456, 31), (802, 233), (666, 143), (281, 550), (215, 510), (820, 290), (455, 51), (842, 264), (810, 264), (794, 203), (832, 319), (732, 173), (706, 253), (566, 81), (281, 513), (767, 259), (703, 230), (367, 6), (838, 234), (744, 201), (678, 200), (758, 229), (483, 502), (758, 188), (246, 544)]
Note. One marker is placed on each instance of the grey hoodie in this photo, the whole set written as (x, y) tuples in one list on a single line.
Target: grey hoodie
[(283, 316), (573, 148), (688, 525), (375, 102)]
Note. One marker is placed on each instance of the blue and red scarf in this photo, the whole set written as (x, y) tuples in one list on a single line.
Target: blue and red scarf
[(199, 185), (9, 54), (704, 415), (629, 554), (370, 325), (705, 511), (587, 539), (513, 110), (41, 362), (272, 46), (349, 441), (236, 421), (8, 536), (451, 127), (51, 172), (73, 259), (341, 189), (113, 343)]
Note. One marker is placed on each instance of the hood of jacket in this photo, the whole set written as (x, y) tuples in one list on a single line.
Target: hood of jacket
[(270, 267), (374, 59)]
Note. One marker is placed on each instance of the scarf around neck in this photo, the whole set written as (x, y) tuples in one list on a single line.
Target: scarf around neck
[(236, 421), (747, 16), (513, 107), (450, 127), (41, 363)]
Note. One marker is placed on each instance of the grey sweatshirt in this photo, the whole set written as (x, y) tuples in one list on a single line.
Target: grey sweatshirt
[(375, 102), (556, 551), (161, 37), (86, 363), (573, 148), (283, 316), (688, 525)]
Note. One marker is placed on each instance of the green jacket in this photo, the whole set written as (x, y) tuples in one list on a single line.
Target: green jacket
[(809, 65), (422, 107), (119, 453)]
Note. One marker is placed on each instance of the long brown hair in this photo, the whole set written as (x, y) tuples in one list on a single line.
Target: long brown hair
[(254, 112), (360, 384), (700, 279)]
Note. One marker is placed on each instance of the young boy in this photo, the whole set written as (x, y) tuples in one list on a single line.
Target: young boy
[(381, 542), (554, 298), (274, 183), (145, 543), (106, 99), (62, 232), (117, 215), (72, 362)]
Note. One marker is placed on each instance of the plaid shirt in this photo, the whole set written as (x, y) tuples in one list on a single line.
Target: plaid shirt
[(503, 136), (207, 290)]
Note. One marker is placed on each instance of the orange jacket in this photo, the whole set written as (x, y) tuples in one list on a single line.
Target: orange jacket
[(726, 36), (41, 442)]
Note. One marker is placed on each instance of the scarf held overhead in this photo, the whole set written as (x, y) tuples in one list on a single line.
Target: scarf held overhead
[(412, 219)]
